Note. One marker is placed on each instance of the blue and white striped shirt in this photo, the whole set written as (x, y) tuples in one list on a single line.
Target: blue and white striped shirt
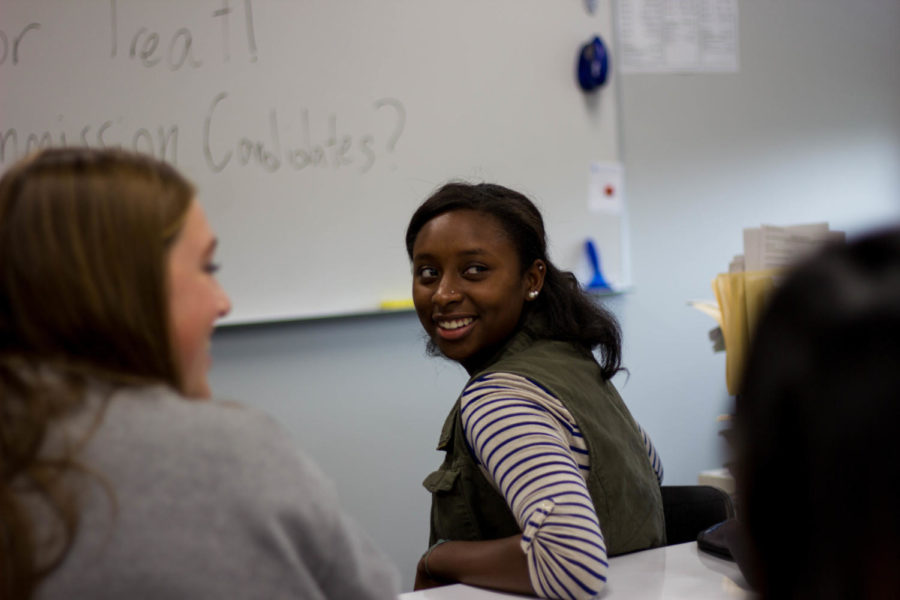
[(531, 449)]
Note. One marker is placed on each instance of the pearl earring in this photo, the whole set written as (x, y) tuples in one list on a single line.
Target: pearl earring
[(532, 294)]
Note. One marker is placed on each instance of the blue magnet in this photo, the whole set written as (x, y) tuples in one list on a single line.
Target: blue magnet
[(593, 65)]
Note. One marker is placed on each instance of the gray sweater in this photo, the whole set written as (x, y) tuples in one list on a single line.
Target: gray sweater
[(209, 500)]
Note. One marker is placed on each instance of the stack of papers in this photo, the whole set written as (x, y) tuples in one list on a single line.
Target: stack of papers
[(742, 292), (773, 247)]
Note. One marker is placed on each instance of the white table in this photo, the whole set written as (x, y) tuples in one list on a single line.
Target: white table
[(672, 572)]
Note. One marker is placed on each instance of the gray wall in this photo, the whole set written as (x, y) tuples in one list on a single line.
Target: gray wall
[(808, 130)]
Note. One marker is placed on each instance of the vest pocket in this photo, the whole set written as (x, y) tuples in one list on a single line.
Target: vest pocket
[(451, 515), (441, 480)]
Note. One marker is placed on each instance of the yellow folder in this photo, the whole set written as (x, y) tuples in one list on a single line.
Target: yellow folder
[(741, 298)]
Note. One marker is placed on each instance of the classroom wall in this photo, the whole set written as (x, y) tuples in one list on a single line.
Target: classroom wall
[(808, 130)]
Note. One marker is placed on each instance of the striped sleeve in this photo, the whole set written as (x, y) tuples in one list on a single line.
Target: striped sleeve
[(534, 456), (652, 454)]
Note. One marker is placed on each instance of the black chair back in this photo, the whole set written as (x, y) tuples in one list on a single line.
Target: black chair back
[(690, 509)]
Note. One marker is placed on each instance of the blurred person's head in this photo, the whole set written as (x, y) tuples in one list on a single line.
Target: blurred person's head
[(106, 277), (94, 246), (817, 467)]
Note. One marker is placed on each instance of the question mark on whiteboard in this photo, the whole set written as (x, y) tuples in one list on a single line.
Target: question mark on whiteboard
[(401, 119)]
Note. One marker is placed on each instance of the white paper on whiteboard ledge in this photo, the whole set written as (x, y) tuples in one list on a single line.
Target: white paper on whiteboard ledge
[(606, 187)]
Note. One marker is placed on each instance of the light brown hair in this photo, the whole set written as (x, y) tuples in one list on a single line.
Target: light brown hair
[(84, 235)]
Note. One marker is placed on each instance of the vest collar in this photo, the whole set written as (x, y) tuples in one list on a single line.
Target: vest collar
[(533, 327)]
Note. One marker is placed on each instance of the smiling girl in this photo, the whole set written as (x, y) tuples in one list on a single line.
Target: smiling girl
[(121, 477), (546, 473)]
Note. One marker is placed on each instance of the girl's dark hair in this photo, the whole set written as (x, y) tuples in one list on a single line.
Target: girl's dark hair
[(816, 422), (571, 314)]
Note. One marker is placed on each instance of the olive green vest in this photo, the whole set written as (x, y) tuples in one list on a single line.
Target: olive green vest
[(621, 481)]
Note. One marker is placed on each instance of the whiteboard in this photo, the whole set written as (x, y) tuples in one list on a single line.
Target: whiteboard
[(314, 128)]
